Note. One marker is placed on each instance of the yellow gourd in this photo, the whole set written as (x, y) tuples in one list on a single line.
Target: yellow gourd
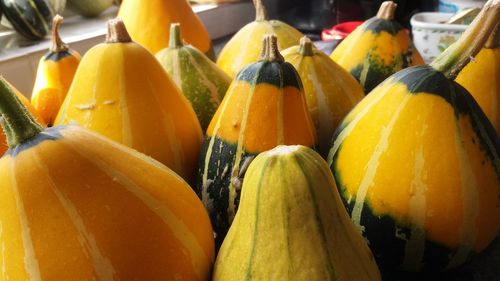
[(78, 206), (55, 73), (121, 91)]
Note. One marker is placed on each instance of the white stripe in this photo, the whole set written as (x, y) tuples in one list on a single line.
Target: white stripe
[(372, 165), (103, 267), (415, 246), (4, 273), (30, 261), (176, 69)]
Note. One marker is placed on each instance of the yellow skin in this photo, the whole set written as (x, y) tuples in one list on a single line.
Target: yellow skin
[(246, 45), (449, 191), (121, 91), (148, 23), (331, 92), (52, 83), (85, 208), (292, 225), (481, 77)]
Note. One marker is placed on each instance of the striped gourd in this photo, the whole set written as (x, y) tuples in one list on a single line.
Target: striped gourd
[(199, 79), (376, 49), (77, 206), (121, 91), (31, 18), (291, 225), (417, 163), (244, 47), (481, 77), (148, 22), (54, 75), (264, 107), (331, 92)]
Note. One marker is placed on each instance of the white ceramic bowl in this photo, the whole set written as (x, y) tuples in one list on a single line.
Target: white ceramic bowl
[(431, 36)]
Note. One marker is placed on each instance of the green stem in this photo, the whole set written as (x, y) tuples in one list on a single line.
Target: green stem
[(18, 124), (175, 36), (458, 55), (260, 11), (306, 47), (270, 50), (57, 44), (387, 10)]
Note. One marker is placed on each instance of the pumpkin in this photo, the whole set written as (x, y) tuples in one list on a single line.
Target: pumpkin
[(376, 49), (200, 80), (90, 8), (78, 206), (263, 107), (31, 18), (331, 92), (244, 47), (481, 78), (32, 110), (148, 22), (55, 73), (291, 225), (121, 91), (417, 163)]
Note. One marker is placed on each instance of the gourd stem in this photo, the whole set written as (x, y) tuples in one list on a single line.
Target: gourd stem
[(57, 44), (458, 55), (270, 50), (387, 10), (175, 36), (494, 40), (18, 124), (117, 32), (260, 10), (306, 47)]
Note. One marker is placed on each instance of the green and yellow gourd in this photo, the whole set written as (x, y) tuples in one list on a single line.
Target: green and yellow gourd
[(78, 206), (481, 77), (417, 163), (54, 75), (245, 46), (199, 79), (376, 49), (263, 107), (31, 18), (121, 91), (331, 92), (291, 225)]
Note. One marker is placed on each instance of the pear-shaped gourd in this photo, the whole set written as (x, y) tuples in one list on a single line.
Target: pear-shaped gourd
[(78, 206), (245, 46), (481, 77), (291, 225), (31, 109), (264, 107), (148, 21), (121, 91), (199, 79), (90, 8), (331, 92), (417, 163), (376, 49), (55, 73)]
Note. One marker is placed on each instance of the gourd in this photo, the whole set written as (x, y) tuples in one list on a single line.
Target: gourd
[(244, 47), (481, 77), (148, 22), (292, 225), (121, 91), (90, 8), (31, 109), (78, 206), (331, 92), (199, 79), (31, 18), (417, 163), (58, 6), (263, 107), (376, 49), (55, 73)]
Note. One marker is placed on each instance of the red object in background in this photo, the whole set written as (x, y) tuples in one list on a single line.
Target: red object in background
[(340, 31)]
